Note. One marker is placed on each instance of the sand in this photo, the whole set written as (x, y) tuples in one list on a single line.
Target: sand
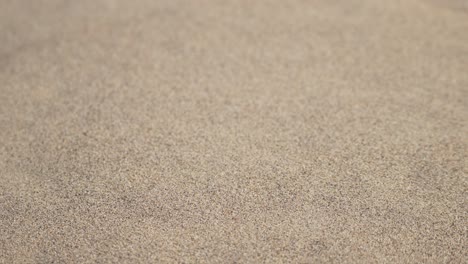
[(233, 131)]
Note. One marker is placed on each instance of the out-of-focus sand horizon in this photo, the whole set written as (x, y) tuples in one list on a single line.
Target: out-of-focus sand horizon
[(233, 131)]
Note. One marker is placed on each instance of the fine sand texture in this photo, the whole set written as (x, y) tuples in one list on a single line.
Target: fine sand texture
[(233, 131)]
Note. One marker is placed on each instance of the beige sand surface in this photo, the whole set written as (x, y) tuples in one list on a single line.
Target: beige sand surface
[(233, 131)]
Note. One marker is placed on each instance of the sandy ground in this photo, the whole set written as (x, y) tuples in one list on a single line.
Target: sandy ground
[(233, 131)]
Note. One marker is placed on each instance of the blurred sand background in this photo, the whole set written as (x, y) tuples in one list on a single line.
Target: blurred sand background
[(233, 131)]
